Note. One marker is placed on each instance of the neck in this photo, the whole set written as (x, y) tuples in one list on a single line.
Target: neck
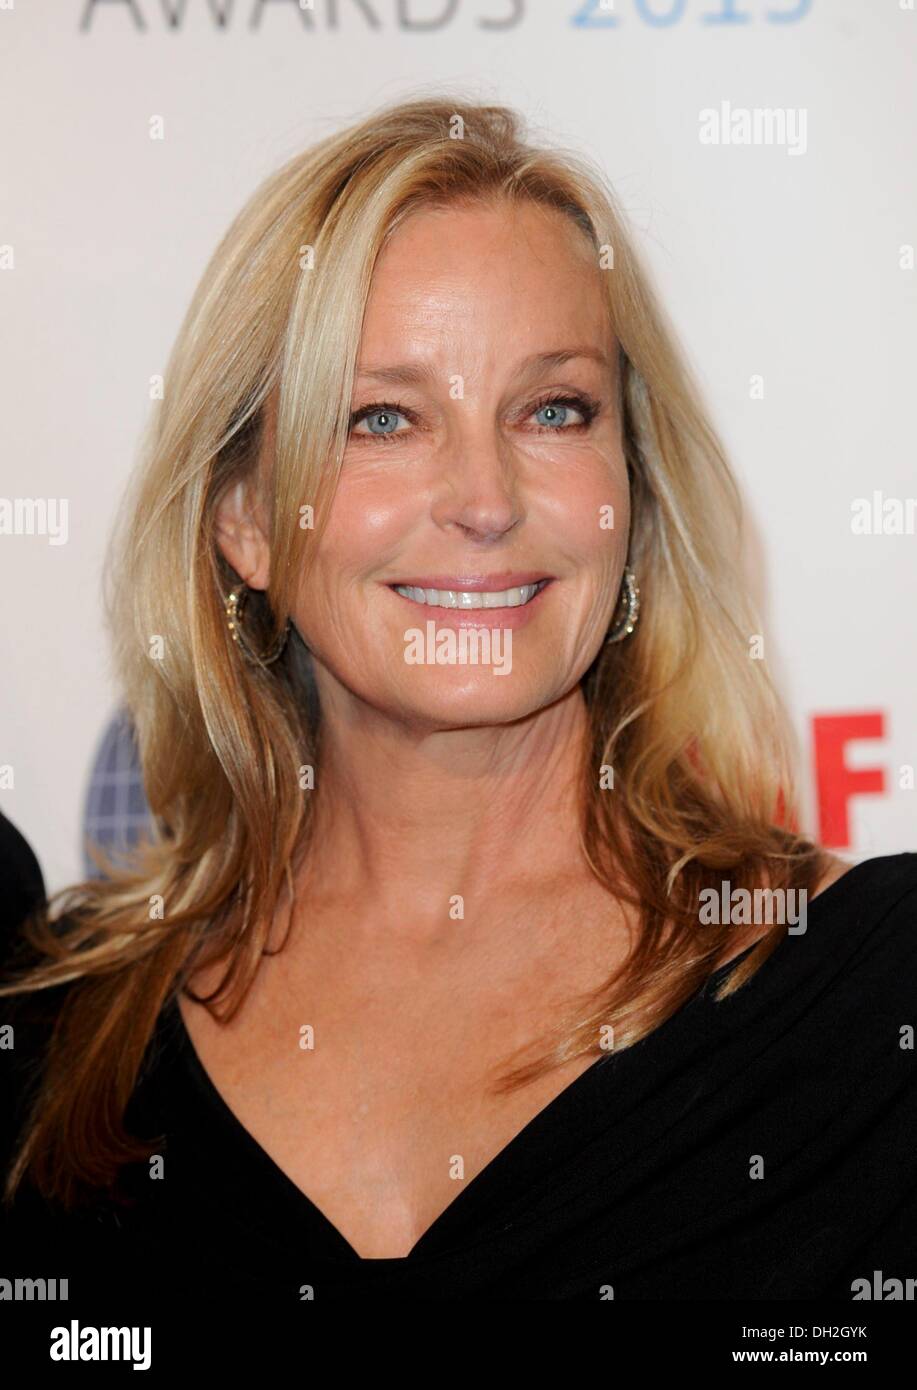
[(407, 819)]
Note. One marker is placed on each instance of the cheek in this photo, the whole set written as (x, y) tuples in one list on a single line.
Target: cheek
[(368, 521), (587, 509)]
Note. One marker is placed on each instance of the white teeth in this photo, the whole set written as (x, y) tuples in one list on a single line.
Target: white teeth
[(464, 598)]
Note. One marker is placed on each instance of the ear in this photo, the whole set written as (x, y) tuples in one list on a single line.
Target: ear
[(242, 535)]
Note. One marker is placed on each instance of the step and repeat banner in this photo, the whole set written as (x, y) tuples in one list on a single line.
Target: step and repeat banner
[(763, 152)]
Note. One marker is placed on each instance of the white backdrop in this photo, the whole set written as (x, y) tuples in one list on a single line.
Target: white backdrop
[(787, 269)]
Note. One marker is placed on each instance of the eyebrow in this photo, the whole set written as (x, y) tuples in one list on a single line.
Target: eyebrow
[(408, 374)]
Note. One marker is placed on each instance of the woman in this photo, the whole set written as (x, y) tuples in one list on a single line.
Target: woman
[(429, 614)]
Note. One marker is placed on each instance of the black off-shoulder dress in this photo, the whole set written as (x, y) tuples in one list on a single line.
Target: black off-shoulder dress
[(762, 1147)]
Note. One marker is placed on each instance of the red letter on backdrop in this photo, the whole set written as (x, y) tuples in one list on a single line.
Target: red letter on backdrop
[(835, 782)]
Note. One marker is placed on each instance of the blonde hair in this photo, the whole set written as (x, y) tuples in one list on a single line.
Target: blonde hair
[(692, 726)]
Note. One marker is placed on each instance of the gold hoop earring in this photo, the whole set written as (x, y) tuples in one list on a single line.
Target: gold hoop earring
[(630, 596), (235, 605)]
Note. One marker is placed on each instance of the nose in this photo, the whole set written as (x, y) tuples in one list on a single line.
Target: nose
[(477, 492)]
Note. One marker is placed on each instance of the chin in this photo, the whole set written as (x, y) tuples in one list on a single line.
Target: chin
[(468, 699)]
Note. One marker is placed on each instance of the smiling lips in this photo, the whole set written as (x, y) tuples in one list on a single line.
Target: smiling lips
[(505, 590)]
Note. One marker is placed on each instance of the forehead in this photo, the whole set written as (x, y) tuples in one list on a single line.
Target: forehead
[(481, 288), (499, 267)]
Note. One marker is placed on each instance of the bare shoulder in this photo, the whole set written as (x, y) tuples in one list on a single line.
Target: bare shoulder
[(835, 868), (883, 880)]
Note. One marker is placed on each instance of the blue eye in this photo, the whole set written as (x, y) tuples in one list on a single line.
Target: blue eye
[(382, 417), (557, 409), (556, 413), (385, 417)]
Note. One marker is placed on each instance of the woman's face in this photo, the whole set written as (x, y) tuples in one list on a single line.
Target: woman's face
[(485, 458)]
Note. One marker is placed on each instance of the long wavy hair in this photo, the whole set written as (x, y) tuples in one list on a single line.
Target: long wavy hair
[(698, 738)]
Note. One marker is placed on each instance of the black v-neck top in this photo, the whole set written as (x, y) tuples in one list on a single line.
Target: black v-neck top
[(760, 1147)]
